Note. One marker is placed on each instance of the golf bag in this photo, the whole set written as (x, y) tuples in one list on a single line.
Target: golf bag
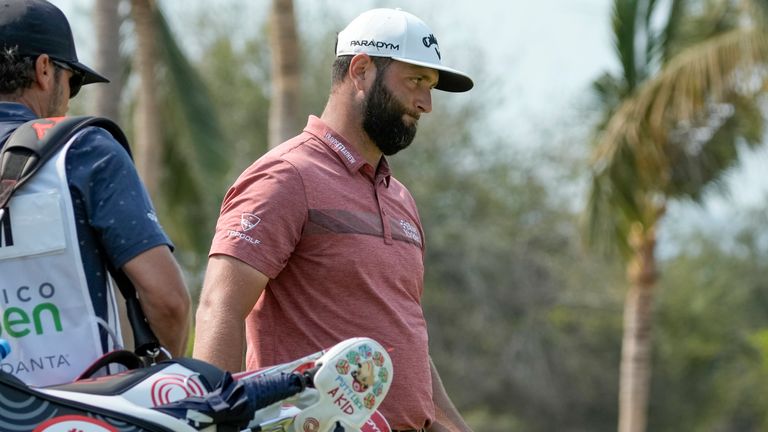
[(338, 389)]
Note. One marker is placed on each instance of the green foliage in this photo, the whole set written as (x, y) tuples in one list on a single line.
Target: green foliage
[(193, 153), (239, 82), (710, 353), (625, 22), (524, 326), (673, 117), (697, 164), (238, 76)]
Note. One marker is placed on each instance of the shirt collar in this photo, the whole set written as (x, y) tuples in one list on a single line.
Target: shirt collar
[(12, 115), (383, 171), (13, 111), (345, 152)]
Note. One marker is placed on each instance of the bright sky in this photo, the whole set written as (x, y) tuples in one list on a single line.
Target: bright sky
[(536, 59)]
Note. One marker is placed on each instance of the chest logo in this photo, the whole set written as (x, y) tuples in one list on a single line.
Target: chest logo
[(410, 231)]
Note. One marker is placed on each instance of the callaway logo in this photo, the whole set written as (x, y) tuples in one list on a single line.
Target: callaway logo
[(430, 40), (249, 221)]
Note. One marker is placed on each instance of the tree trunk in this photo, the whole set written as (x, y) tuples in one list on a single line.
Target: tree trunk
[(636, 344), (147, 135), (106, 102), (286, 81)]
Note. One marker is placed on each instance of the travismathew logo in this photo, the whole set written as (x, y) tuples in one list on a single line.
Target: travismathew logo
[(340, 147), (430, 40), (379, 45)]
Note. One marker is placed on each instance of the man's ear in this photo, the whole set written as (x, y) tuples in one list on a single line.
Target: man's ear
[(362, 71), (45, 72)]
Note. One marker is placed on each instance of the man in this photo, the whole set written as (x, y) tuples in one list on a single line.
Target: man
[(317, 242), (83, 209)]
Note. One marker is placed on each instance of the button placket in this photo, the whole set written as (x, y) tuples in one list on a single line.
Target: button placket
[(386, 228)]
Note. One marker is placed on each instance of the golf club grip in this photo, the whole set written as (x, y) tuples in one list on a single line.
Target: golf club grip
[(144, 338)]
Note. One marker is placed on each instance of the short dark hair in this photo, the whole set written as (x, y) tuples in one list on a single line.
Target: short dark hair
[(17, 72), (341, 67)]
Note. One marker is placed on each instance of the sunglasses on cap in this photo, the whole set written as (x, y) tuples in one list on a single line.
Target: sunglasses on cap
[(75, 81)]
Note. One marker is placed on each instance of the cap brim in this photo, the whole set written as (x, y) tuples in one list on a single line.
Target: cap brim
[(450, 80), (90, 76)]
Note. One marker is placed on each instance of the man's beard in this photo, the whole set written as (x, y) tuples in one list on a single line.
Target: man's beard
[(383, 119)]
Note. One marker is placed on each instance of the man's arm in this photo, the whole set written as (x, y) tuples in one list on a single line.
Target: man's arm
[(447, 417), (163, 296), (230, 291)]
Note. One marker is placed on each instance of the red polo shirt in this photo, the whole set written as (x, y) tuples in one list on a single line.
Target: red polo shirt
[(343, 247)]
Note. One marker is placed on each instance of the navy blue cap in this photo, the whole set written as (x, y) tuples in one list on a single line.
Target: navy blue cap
[(37, 27)]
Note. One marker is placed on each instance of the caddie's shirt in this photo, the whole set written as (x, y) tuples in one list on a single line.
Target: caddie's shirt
[(343, 247)]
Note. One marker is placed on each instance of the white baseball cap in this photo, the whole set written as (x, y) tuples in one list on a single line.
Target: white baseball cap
[(403, 37)]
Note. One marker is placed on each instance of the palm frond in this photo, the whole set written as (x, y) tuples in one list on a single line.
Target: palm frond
[(194, 149), (699, 158), (624, 17), (638, 163), (669, 33), (694, 77)]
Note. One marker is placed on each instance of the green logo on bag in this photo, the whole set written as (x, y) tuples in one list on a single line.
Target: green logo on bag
[(27, 316)]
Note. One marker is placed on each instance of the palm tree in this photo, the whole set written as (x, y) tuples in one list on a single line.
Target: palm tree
[(177, 143), (286, 73), (193, 150), (673, 120), (147, 134), (108, 61), (106, 101)]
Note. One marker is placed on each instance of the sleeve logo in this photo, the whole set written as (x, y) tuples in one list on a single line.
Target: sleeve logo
[(249, 221)]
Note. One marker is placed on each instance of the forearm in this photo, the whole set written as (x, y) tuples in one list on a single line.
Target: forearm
[(218, 338), (163, 296), (230, 290), (170, 325), (447, 417)]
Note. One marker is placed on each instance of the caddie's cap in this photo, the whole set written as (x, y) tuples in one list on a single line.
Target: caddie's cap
[(37, 27), (402, 36)]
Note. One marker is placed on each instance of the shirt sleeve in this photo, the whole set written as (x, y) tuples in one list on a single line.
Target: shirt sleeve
[(262, 216), (117, 205)]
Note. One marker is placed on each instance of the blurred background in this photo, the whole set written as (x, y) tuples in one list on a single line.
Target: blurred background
[(599, 192)]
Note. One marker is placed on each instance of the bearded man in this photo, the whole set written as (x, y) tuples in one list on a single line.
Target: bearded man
[(317, 242)]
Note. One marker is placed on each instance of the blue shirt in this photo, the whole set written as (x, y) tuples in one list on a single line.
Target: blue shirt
[(113, 213)]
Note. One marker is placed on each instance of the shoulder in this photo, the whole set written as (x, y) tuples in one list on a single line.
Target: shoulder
[(397, 187), (95, 150), (303, 151), (100, 140), (97, 165), (292, 158)]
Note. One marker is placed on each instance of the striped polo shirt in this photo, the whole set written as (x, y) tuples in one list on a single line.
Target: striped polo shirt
[(343, 246)]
